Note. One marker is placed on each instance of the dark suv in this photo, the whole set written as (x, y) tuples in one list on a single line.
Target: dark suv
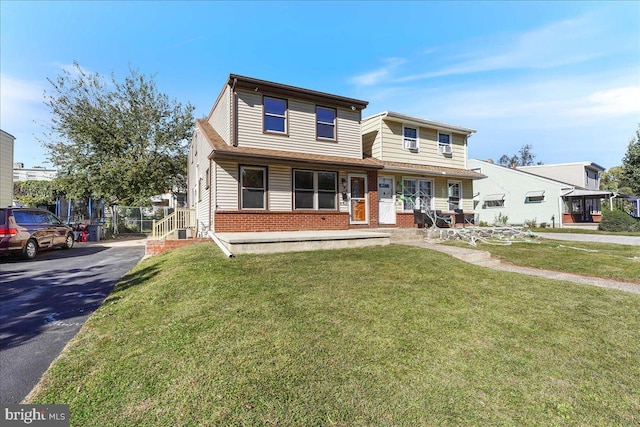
[(25, 231)]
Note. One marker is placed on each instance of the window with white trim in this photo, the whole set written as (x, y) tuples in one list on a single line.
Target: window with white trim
[(455, 195), (275, 115), (315, 190), (253, 187), (410, 138), (444, 143), (417, 194), (326, 123)]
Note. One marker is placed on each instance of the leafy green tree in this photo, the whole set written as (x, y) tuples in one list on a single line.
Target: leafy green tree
[(631, 164), (524, 157), (35, 193), (120, 141), (612, 180)]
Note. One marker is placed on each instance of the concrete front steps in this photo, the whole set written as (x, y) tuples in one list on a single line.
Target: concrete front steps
[(472, 256)]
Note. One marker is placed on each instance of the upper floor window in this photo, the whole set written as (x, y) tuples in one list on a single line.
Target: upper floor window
[(409, 138), (592, 179), (444, 143), (275, 115), (326, 123)]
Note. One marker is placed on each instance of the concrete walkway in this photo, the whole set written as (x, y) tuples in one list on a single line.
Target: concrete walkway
[(484, 259), (598, 238)]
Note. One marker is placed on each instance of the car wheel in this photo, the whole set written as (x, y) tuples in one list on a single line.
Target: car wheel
[(30, 249), (68, 243)]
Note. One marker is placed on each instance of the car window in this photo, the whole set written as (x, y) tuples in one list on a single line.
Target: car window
[(41, 217), (23, 217), (3, 216), (53, 219)]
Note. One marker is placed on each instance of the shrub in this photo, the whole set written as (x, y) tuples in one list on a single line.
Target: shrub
[(501, 219), (617, 220), (530, 223), (543, 225)]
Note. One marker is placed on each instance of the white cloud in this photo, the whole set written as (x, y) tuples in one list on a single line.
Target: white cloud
[(380, 75), (559, 43)]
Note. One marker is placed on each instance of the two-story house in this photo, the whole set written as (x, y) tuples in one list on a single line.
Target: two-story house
[(424, 166), (274, 157)]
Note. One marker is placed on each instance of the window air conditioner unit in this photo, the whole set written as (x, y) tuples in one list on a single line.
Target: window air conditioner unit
[(412, 145), (446, 149)]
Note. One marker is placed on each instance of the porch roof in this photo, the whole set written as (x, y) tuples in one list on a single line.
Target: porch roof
[(432, 170), (593, 193), (222, 150)]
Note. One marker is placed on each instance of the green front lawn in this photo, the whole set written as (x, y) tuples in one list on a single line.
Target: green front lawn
[(619, 262), (396, 336)]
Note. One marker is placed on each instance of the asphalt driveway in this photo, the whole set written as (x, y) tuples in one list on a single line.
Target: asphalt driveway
[(45, 302)]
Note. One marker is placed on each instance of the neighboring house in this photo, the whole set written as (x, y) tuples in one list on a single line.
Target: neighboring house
[(273, 157), (36, 173), (424, 166), (6, 162), (583, 203), (522, 196)]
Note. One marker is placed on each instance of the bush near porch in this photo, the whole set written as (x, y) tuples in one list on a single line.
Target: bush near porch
[(618, 220)]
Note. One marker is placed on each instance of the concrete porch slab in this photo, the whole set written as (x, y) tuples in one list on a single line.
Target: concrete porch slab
[(294, 241)]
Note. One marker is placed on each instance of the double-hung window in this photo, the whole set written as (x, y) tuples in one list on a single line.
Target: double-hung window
[(314, 189), (417, 194), (326, 123), (455, 195), (444, 143), (253, 187), (275, 115), (410, 138)]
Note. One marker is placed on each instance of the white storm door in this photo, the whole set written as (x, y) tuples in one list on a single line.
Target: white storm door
[(386, 201)]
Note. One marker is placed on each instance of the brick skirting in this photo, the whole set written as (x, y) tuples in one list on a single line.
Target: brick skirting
[(243, 221)]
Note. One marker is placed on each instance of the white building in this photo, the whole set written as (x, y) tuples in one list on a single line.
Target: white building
[(36, 173), (6, 160), (521, 195)]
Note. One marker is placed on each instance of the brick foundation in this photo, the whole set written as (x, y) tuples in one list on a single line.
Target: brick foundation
[(242, 221), (157, 247)]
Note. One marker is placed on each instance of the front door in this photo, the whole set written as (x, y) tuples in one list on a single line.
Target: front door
[(358, 199), (386, 201)]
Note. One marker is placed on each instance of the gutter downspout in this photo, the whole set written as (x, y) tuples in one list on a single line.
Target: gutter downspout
[(234, 114), (224, 249), (381, 137)]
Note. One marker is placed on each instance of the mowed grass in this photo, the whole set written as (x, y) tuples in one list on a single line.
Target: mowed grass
[(610, 261), (384, 336)]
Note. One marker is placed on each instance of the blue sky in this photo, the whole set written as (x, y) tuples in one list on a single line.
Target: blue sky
[(561, 76)]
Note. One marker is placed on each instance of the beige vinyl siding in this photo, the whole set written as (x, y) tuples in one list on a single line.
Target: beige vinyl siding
[(371, 138), (301, 125), (428, 147), (220, 118), (198, 162), (226, 185), (6, 169), (280, 188)]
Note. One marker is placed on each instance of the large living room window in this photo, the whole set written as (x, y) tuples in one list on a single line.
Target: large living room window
[(253, 187), (326, 123), (417, 194), (314, 189), (275, 115)]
